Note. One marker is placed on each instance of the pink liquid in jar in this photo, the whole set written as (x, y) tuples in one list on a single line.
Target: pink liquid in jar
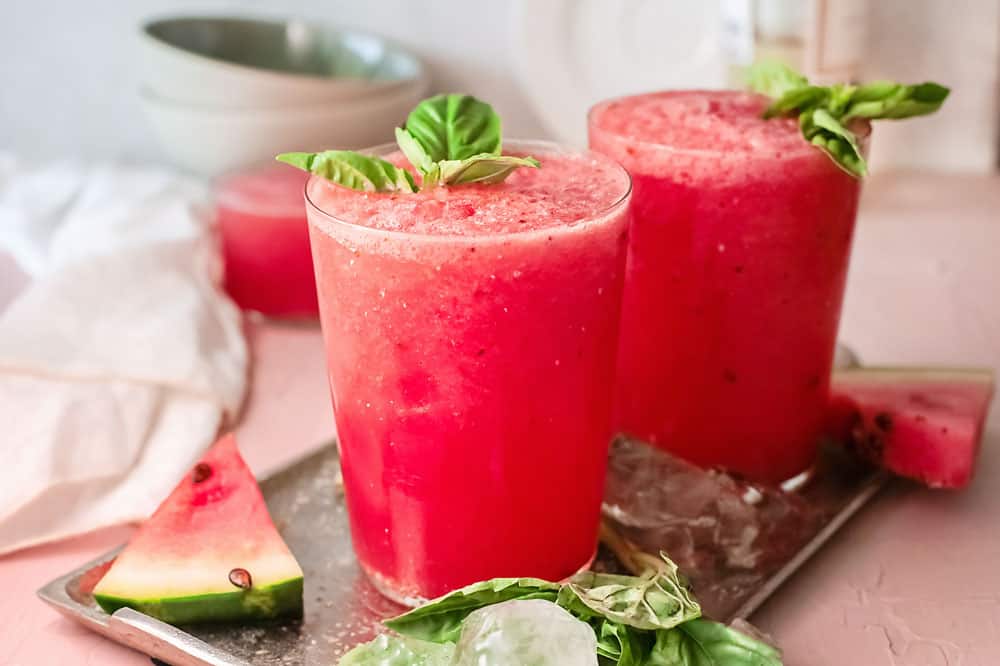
[(264, 233)]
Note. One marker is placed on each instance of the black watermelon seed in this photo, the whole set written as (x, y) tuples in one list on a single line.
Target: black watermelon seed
[(883, 421), (240, 578), (201, 472)]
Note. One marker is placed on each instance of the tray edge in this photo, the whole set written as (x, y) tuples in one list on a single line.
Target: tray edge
[(132, 628), (871, 487)]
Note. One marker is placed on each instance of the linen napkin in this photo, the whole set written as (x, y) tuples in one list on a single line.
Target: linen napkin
[(120, 358)]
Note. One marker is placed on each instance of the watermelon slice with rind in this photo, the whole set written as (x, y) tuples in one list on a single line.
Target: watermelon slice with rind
[(210, 552), (925, 424)]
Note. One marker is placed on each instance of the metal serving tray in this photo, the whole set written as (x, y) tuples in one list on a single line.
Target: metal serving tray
[(736, 542)]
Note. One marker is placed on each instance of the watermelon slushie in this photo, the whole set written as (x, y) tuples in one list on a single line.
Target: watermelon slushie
[(738, 255), (265, 241), (470, 335)]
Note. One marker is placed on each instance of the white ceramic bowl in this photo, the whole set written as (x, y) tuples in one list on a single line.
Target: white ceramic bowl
[(258, 63), (210, 141)]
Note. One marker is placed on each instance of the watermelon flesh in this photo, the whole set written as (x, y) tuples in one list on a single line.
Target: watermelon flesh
[(210, 552), (918, 423)]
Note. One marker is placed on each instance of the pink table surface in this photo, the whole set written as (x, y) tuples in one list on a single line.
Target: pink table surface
[(914, 580)]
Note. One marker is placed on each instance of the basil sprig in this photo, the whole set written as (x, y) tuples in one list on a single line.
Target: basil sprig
[(354, 170), (456, 139), (825, 112), (648, 620), (449, 139)]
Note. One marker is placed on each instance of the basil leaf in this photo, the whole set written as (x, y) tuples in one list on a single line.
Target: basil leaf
[(413, 151), (432, 177), (773, 78), (385, 650), (703, 642), (612, 642), (485, 168), (840, 97), (829, 135), (440, 620), (894, 101), (796, 99), (454, 127), (354, 170), (659, 599), (622, 645), (456, 139), (875, 91)]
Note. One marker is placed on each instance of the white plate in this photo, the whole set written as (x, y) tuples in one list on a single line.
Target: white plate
[(573, 53)]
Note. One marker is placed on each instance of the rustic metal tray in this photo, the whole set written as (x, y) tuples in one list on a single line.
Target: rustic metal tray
[(736, 542)]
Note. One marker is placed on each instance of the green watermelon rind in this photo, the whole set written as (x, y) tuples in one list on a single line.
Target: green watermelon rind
[(264, 602)]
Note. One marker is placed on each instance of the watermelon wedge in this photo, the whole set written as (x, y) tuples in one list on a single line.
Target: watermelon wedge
[(210, 552), (919, 423)]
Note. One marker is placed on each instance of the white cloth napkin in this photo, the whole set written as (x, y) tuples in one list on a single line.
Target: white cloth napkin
[(120, 358)]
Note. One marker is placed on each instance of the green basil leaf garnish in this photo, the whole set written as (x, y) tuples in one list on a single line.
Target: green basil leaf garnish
[(440, 620), (825, 112), (354, 170), (774, 79), (823, 130), (876, 90), (839, 99), (449, 139), (387, 650), (413, 151), (659, 599), (618, 643), (797, 98), (896, 102), (703, 642), (485, 168), (454, 127), (456, 140)]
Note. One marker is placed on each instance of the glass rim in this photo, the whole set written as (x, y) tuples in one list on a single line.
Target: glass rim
[(519, 144), (805, 148)]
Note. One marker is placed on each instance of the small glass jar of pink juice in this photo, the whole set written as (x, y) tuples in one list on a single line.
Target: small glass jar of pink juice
[(265, 241), (471, 333), (738, 254)]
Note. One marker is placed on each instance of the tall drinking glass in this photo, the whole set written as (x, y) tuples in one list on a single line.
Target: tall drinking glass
[(470, 337), (737, 260)]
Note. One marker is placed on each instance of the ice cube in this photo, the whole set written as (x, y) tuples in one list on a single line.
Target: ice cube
[(525, 632), (727, 535)]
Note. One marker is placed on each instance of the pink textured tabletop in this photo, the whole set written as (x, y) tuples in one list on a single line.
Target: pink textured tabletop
[(912, 581)]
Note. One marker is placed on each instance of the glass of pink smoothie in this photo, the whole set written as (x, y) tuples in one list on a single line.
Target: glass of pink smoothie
[(738, 255), (471, 334), (265, 241)]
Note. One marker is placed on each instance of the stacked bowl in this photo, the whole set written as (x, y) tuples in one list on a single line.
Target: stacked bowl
[(225, 93)]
